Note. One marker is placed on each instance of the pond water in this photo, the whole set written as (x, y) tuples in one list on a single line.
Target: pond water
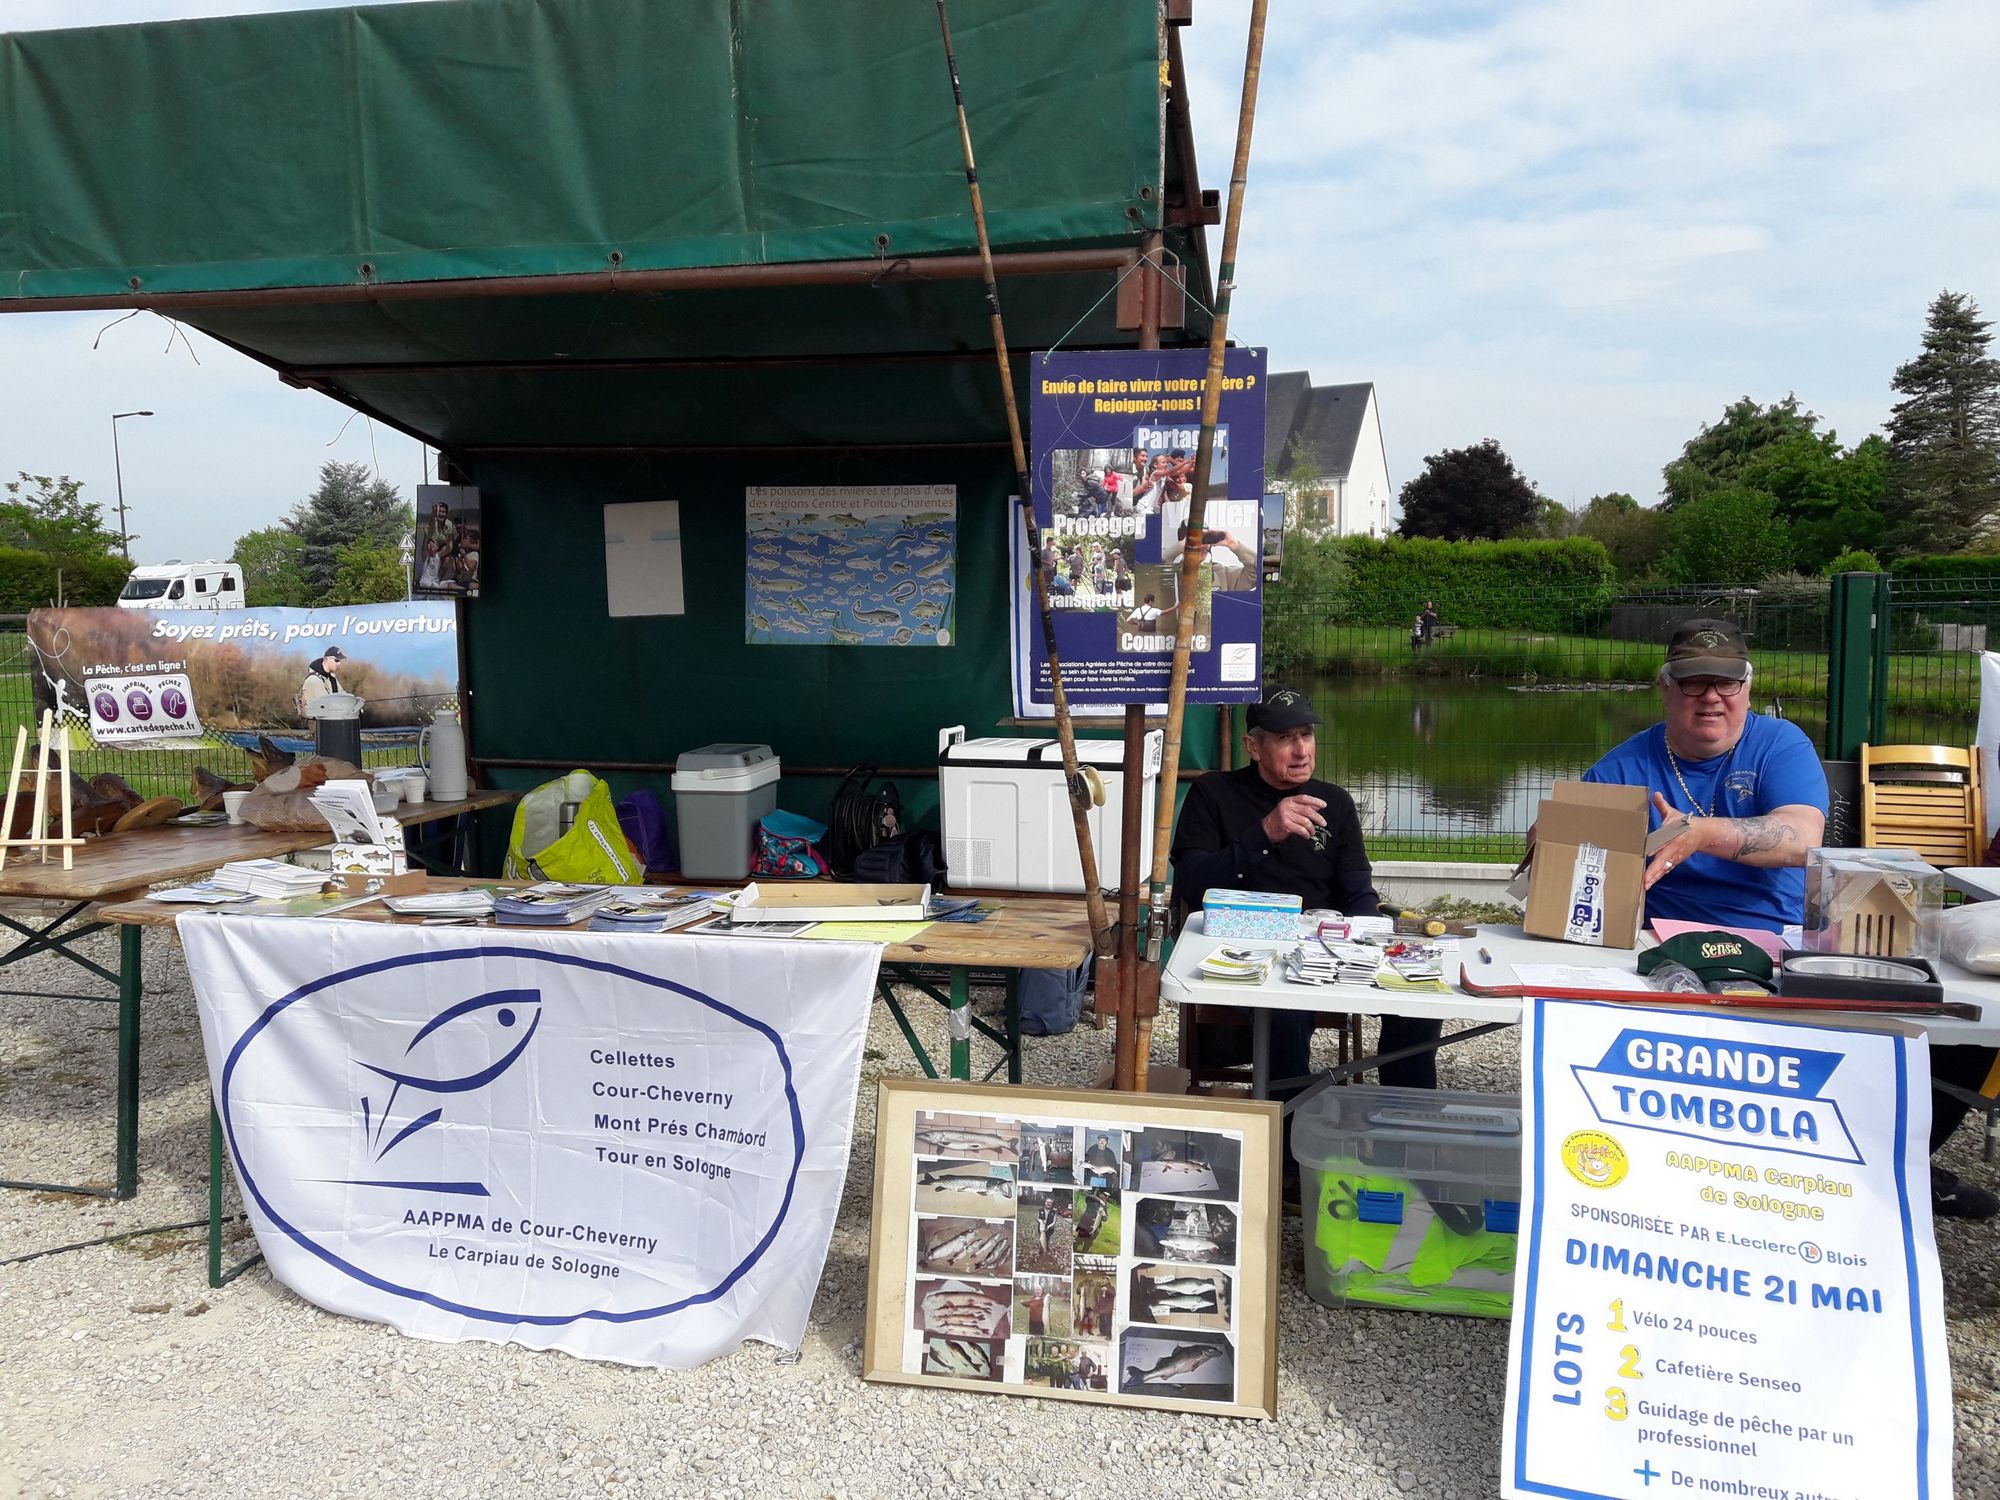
[(1453, 758)]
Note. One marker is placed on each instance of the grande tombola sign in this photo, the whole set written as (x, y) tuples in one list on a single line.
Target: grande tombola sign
[(1114, 438), (1725, 1290), (622, 1147)]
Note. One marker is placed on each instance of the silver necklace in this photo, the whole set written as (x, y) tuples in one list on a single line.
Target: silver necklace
[(1674, 761)]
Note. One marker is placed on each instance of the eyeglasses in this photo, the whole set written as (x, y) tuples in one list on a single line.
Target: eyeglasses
[(1697, 687)]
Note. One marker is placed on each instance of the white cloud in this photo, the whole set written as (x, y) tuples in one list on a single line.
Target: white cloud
[(1498, 204)]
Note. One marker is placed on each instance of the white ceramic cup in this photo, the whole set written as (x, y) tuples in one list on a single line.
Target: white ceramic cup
[(232, 803), (415, 784)]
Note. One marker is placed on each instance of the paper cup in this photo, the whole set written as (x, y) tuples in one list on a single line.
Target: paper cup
[(414, 786), (232, 803)]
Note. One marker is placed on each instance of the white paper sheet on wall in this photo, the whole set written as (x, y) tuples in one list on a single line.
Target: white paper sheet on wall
[(642, 559)]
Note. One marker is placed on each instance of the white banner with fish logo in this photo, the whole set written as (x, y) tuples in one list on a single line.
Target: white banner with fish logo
[(626, 1147)]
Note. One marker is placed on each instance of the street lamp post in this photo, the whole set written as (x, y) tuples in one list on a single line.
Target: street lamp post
[(118, 471)]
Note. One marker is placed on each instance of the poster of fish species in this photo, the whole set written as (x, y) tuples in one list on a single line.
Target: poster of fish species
[(1051, 1255), (850, 565)]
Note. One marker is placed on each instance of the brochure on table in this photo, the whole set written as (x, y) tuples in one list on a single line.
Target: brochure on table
[(1728, 1280)]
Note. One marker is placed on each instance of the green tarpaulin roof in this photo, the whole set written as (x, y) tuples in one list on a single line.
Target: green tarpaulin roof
[(376, 201)]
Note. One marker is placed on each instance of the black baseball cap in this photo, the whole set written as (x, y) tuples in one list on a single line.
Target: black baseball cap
[(1713, 956), (1282, 709), (1708, 648), (335, 652)]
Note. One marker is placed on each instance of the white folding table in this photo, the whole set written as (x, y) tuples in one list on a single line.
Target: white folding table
[(1505, 948)]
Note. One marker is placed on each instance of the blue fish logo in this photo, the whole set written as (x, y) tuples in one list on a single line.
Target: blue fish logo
[(483, 1025)]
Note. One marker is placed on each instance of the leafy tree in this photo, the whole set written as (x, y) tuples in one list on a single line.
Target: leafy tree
[(1855, 561), (1552, 522), (1468, 492), (369, 573), (270, 562), (1302, 485), (1944, 435), (1634, 535), (50, 516), (348, 507), (1734, 536), (1716, 455)]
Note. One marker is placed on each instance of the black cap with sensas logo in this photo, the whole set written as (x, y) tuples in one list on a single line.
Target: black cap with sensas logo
[(1723, 961)]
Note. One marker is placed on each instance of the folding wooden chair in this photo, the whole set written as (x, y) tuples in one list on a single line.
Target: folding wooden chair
[(1924, 798)]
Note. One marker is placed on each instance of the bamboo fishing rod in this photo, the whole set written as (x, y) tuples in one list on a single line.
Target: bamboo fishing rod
[(1191, 555), (1079, 796)]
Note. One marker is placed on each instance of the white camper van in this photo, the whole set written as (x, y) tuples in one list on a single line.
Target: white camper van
[(181, 585)]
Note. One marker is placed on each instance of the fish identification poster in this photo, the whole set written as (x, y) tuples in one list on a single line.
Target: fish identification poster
[(1114, 436), (1725, 1287), (621, 1146), (850, 565)]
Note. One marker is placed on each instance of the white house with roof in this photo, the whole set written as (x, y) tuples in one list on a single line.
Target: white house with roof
[(1339, 428)]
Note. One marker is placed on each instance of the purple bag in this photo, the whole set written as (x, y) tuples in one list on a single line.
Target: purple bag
[(645, 824)]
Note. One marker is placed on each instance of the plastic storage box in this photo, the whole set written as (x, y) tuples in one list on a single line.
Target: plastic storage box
[(720, 791), (1251, 914), (1887, 903), (1412, 1198), (1006, 817)]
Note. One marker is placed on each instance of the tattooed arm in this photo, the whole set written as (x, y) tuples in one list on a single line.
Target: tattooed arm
[(1774, 840)]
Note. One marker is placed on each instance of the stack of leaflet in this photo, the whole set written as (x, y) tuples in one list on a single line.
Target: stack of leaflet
[(1236, 966), (1412, 973), (652, 911), (1332, 963), (203, 893), (473, 903), (268, 877), (550, 904)]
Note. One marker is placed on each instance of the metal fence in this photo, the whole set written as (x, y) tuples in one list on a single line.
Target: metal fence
[(150, 770), (1449, 745)]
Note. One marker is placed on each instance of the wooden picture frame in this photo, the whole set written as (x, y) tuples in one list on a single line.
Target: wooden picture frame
[(977, 1280)]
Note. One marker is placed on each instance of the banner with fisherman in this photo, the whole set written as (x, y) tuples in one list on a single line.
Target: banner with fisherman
[(169, 676), (617, 1147)]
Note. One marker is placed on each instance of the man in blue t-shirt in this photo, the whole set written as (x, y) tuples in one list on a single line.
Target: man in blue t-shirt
[(1755, 798), (1751, 788)]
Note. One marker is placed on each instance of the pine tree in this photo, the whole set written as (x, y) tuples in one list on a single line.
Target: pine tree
[(1944, 436), (348, 507)]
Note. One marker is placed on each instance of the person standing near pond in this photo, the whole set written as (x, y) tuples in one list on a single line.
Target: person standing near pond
[(1754, 795)]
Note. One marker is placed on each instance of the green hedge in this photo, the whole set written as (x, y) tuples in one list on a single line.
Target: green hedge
[(1950, 567), (1526, 585), (29, 580)]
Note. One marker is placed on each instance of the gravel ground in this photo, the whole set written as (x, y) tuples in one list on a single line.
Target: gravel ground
[(125, 1375)]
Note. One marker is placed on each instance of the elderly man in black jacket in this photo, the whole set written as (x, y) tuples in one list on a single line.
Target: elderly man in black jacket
[(1271, 826)]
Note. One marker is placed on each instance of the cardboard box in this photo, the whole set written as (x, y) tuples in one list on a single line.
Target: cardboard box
[(1250, 914), (1587, 876)]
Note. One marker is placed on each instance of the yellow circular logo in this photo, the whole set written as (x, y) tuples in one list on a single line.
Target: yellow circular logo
[(1594, 1158)]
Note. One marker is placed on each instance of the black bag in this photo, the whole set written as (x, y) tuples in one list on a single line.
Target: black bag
[(908, 859), (860, 817)]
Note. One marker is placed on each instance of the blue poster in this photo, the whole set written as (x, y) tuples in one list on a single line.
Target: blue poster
[(1114, 437)]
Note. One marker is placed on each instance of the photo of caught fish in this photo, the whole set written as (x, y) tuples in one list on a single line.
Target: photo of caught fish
[(964, 1359), (964, 1309), (856, 568), (969, 1137), (966, 1247), (1100, 1222), (1043, 1306), (1048, 1153), (1066, 1365), (1186, 1366), (1045, 1229), (1188, 1163), (1094, 1296), (956, 1185), (1180, 1297), (1104, 1163), (1164, 1229)]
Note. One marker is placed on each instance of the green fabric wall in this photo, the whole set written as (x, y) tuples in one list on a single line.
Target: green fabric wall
[(537, 137), (554, 677)]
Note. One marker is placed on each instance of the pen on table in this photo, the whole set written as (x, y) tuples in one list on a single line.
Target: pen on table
[(1485, 957)]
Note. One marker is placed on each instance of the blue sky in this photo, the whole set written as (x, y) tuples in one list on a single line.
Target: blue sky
[(1576, 227)]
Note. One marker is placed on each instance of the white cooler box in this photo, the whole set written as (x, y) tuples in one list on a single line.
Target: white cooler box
[(1006, 817)]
